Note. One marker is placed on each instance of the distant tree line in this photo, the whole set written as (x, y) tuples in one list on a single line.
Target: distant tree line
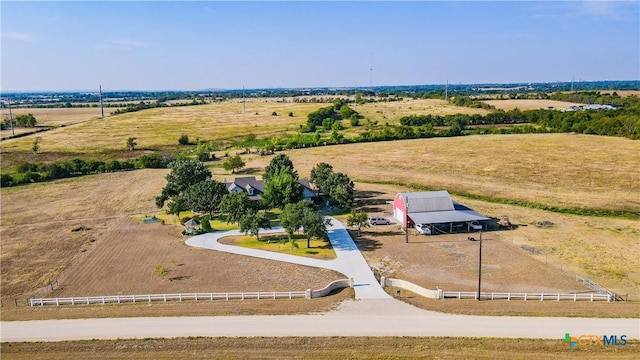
[(26, 172)]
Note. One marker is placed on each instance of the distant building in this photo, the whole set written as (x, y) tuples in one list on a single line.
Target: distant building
[(254, 188), (589, 107)]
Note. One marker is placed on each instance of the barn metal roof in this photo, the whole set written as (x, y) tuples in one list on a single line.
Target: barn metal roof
[(428, 201)]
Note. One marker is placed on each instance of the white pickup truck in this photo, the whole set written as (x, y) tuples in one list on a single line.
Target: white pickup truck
[(423, 229)]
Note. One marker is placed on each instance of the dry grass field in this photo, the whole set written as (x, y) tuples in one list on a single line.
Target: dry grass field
[(528, 104), (593, 172), (162, 127), (391, 112), (316, 348)]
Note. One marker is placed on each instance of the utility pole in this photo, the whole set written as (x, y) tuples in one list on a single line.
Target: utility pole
[(446, 91), (101, 107), (244, 101), (479, 267), (406, 221), (13, 132)]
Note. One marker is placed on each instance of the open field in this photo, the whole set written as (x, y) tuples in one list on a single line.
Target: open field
[(593, 172), (527, 104), (316, 348), (53, 117), (391, 112), (78, 232), (160, 128)]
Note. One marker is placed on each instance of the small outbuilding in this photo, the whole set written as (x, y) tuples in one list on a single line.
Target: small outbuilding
[(437, 211)]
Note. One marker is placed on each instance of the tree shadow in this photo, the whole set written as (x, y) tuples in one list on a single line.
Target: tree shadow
[(367, 244)]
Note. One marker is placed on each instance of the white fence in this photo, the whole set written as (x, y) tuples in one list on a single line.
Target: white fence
[(527, 296), (440, 294), (121, 299)]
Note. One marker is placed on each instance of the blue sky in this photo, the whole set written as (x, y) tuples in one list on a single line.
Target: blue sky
[(159, 45)]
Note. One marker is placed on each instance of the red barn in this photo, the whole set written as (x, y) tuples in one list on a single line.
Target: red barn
[(437, 210)]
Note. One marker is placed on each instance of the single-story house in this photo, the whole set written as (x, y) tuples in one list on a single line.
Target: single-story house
[(437, 210), (254, 187)]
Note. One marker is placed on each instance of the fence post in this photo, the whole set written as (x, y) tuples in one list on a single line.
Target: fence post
[(525, 296), (558, 296), (575, 297), (307, 294), (592, 297), (541, 296)]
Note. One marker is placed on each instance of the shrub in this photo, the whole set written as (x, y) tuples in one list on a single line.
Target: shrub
[(183, 140)]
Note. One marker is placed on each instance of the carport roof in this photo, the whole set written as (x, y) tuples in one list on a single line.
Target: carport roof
[(460, 213)]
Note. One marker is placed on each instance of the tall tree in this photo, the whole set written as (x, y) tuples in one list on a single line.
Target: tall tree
[(253, 221), (233, 163), (177, 204), (235, 205), (319, 176), (282, 188), (341, 190), (206, 196), (291, 216), (278, 162), (184, 173), (25, 120), (313, 224), (358, 219)]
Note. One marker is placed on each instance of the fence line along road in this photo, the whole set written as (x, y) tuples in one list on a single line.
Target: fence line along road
[(527, 296), (119, 299)]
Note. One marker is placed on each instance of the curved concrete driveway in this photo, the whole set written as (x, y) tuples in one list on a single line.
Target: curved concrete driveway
[(349, 261)]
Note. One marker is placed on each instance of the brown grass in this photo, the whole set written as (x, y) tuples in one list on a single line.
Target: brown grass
[(554, 169), (528, 104), (316, 348), (391, 112)]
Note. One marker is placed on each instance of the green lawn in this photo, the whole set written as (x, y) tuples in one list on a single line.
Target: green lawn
[(279, 242)]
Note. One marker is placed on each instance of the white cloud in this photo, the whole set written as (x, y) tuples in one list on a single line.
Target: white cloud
[(17, 36)]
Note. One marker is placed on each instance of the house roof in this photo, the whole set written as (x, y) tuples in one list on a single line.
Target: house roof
[(248, 182)]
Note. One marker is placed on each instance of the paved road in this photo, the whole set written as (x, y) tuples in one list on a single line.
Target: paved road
[(349, 261), (350, 322)]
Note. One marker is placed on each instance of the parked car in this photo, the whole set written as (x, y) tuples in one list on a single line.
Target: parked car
[(423, 229), (475, 225), (376, 220)]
